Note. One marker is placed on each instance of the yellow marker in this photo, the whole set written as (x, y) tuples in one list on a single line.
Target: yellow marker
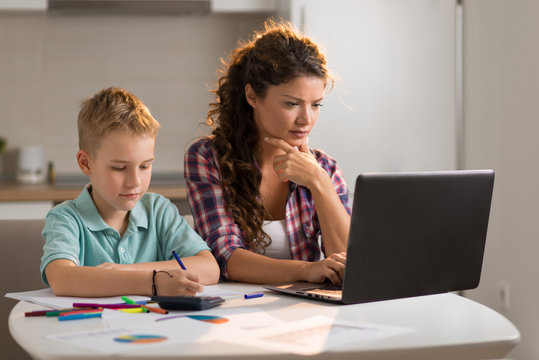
[(132, 310)]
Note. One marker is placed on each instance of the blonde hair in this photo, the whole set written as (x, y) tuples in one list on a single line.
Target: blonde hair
[(109, 110)]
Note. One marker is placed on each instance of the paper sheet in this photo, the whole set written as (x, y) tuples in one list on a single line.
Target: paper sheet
[(246, 318), (47, 298), (139, 332), (217, 290), (121, 340), (314, 335)]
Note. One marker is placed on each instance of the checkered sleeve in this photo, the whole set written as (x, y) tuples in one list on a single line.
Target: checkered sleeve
[(339, 183), (206, 199)]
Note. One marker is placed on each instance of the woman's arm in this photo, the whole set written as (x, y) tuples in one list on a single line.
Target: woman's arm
[(203, 264), (67, 279), (301, 167), (332, 215), (247, 266)]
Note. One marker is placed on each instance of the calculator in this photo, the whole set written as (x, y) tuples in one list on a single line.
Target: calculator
[(187, 302)]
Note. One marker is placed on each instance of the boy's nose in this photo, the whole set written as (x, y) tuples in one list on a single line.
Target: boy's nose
[(133, 180)]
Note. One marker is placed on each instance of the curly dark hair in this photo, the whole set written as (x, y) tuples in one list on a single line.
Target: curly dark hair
[(274, 56)]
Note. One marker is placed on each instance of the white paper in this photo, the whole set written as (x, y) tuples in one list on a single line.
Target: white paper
[(47, 298), (216, 290), (175, 331), (314, 335), (245, 318), (173, 327)]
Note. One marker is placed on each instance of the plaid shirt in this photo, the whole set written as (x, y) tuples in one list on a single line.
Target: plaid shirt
[(217, 226)]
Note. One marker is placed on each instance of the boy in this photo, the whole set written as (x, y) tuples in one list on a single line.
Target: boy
[(114, 239)]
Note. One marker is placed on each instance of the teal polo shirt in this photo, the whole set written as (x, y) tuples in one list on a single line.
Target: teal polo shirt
[(74, 230)]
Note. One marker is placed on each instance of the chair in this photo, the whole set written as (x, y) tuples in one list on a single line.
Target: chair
[(22, 247)]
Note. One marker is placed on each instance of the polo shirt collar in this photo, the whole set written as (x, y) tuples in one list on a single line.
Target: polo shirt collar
[(139, 216), (93, 220)]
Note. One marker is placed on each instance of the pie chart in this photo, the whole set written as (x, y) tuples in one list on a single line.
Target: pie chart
[(140, 339)]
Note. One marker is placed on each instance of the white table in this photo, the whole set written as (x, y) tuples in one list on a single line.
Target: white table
[(445, 326)]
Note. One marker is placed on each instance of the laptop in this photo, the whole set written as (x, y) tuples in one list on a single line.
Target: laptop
[(411, 234)]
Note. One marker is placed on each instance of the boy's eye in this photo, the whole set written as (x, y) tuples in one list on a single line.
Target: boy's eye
[(118, 168), (317, 105), (291, 104)]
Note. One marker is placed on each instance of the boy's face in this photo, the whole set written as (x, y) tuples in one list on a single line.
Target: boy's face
[(120, 171)]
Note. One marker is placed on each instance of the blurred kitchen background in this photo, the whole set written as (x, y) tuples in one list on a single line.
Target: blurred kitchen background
[(422, 85)]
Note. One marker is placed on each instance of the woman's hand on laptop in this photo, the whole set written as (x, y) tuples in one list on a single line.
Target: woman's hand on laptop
[(331, 268)]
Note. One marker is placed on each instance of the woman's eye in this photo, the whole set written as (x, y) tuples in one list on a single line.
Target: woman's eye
[(317, 105), (291, 104), (115, 168)]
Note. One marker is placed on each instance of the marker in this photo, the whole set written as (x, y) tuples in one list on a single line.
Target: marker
[(79, 316), (108, 306), (38, 313), (82, 311), (146, 308), (178, 260), (129, 301), (50, 312), (132, 310), (65, 311)]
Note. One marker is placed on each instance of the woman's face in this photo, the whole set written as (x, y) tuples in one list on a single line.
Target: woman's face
[(288, 111)]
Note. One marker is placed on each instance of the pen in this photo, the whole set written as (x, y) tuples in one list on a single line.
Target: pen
[(245, 296), (178, 260), (253, 295)]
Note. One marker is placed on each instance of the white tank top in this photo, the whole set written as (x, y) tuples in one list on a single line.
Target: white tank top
[(279, 247)]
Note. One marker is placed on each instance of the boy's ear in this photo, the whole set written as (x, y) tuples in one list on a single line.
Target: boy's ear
[(83, 160), (250, 95)]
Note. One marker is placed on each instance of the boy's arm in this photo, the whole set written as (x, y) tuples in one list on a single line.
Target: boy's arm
[(67, 279), (203, 264)]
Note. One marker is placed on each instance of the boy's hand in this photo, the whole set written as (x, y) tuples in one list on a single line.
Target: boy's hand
[(179, 282)]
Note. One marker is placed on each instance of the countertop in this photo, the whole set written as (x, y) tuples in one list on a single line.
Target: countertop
[(68, 187)]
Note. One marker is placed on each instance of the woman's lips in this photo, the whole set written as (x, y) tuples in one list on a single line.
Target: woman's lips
[(299, 134)]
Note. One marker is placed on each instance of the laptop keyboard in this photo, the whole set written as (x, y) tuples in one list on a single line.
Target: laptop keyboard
[(326, 289), (331, 287)]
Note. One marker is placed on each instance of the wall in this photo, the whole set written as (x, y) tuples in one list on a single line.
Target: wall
[(501, 129), (49, 63), (393, 106)]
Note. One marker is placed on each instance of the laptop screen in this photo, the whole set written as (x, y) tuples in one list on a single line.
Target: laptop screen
[(417, 233)]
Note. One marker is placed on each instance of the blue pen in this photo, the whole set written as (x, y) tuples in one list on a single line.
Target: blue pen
[(178, 260), (252, 296)]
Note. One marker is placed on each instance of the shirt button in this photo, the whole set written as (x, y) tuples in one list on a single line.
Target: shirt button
[(122, 250)]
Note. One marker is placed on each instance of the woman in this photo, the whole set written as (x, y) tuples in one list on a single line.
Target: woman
[(260, 197)]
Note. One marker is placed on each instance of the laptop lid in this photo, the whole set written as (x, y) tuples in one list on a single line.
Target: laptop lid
[(416, 234)]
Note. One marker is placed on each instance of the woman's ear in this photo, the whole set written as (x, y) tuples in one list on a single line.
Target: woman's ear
[(83, 160), (250, 95)]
